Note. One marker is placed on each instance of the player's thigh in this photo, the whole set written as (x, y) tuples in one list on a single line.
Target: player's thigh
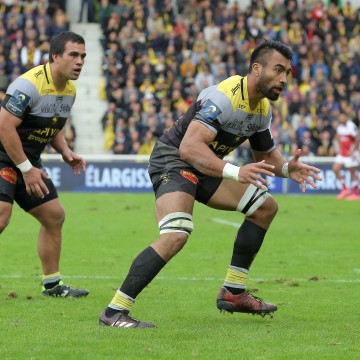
[(5, 214), (29, 202), (8, 185), (228, 195), (174, 202), (49, 213), (174, 193)]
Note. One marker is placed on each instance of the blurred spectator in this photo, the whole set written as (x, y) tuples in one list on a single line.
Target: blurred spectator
[(90, 10), (60, 22), (148, 144), (30, 55), (204, 79)]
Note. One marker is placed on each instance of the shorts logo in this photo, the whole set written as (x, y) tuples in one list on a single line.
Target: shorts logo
[(164, 178), (17, 103), (190, 176), (9, 175)]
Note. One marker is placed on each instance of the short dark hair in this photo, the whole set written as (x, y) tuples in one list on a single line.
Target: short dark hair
[(261, 52), (58, 42)]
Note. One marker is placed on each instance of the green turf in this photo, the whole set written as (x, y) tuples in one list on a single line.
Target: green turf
[(309, 266)]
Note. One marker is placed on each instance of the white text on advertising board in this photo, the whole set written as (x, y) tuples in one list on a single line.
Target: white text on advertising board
[(110, 177)]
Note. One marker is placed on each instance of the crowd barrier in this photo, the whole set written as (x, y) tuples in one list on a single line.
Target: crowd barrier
[(128, 173)]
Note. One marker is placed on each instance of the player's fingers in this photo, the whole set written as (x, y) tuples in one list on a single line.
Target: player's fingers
[(35, 189), (313, 169), (266, 172), (310, 182), (76, 169), (262, 180), (315, 176), (258, 185), (303, 186), (43, 188), (311, 173), (28, 189), (264, 165), (45, 174)]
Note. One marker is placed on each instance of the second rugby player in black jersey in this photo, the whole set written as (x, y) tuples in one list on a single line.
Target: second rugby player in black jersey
[(187, 165)]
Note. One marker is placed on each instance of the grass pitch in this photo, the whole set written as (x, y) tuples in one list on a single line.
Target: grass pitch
[(309, 266)]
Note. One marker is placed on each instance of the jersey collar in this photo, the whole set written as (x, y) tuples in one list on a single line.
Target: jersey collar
[(243, 88), (48, 75)]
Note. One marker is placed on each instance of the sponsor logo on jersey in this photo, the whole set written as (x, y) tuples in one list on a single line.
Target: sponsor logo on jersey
[(252, 127), (17, 103), (190, 176), (235, 89), (9, 175), (235, 125), (210, 110), (38, 73), (220, 149)]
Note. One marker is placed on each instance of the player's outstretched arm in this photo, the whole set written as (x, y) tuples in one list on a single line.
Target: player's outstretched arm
[(303, 173)]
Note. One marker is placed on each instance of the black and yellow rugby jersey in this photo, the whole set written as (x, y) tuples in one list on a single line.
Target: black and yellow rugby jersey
[(33, 98), (224, 109)]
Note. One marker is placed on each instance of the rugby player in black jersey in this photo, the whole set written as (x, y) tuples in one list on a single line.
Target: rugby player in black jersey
[(33, 114), (187, 165)]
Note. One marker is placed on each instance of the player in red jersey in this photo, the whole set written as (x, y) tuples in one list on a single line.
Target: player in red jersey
[(346, 136)]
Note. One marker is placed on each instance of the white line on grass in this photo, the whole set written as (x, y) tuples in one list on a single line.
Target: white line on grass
[(226, 222), (180, 278)]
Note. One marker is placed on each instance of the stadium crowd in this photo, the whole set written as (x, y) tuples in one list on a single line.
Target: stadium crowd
[(26, 28), (159, 54)]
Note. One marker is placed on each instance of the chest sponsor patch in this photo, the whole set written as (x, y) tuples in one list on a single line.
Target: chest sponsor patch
[(9, 175), (190, 176), (17, 103), (210, 110)]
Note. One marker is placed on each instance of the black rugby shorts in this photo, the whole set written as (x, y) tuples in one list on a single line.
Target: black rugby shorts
[(168, 173), (12, 188)]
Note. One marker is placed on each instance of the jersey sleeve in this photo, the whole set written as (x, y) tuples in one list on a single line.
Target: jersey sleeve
[(214, 110), (262, 140), (20, 97)]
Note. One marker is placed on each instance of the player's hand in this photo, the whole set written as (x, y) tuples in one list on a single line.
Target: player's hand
[(34, 183), (77, 162), (301, 173), (252, 174)]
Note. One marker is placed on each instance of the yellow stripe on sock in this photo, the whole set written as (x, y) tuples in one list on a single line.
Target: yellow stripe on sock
[(50, 275), (122, 301), (235, 277)]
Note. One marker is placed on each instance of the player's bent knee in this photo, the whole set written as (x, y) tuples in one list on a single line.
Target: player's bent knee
[(271, 206), (54, 219), (253, 199), (177, 222)]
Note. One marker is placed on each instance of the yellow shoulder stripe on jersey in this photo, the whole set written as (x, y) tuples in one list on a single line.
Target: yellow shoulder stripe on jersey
[(235, 88), (40, 77)]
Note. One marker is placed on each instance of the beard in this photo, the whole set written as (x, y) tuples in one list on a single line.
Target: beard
[(265, 90)]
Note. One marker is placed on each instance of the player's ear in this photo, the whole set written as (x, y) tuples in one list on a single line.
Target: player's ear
[(256, 69), (55, 58)]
